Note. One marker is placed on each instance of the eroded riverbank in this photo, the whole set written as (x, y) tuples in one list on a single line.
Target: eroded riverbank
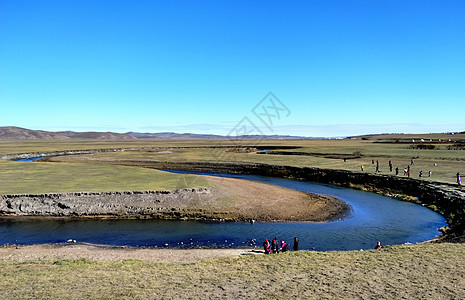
[(230, 200)]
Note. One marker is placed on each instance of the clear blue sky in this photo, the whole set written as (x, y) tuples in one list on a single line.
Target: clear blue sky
[(340, 67)]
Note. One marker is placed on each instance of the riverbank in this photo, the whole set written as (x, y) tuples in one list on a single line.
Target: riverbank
[(228, 200), (45, 252)]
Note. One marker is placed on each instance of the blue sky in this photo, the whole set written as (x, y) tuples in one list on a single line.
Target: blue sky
[(339, 67)]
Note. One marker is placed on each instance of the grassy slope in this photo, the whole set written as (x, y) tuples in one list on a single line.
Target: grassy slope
[(427, 271)]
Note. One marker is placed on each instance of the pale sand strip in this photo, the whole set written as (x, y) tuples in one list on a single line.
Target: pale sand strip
[(105, 253)]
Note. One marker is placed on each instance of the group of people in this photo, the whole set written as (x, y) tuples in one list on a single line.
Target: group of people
[(407, 170), (275, 246)]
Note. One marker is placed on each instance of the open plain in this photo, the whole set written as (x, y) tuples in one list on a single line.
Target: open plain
[(429, 270)]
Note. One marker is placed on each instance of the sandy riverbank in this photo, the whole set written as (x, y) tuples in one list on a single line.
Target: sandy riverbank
[(227, 198), (23, 253)]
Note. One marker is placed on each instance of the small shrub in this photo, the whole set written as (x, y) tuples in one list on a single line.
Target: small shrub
[(422, 147), (357, 154), (433, 207)]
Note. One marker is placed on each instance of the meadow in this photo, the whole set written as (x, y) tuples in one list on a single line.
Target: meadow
[(444, 160)]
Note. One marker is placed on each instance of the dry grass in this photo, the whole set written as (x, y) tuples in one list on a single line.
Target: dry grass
[(427, 271)]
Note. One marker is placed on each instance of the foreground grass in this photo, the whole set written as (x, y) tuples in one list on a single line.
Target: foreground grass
[(427, 271), (35, 178)]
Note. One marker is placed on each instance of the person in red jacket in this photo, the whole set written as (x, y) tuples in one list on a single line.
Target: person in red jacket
[(266, 246)]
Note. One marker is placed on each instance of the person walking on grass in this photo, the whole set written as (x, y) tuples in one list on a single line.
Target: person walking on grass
[(459, 180), (361, 167), (397, 171)]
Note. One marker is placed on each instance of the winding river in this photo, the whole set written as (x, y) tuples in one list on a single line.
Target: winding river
[(372, 218)]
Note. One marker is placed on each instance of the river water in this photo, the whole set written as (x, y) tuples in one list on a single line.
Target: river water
[(30, 159), (372, 218)]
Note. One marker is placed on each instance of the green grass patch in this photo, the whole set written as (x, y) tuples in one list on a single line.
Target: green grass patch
[(41, 177)]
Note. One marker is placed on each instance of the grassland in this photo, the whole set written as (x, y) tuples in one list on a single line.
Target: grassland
[(441, 161), (40, 177), (427, 271)]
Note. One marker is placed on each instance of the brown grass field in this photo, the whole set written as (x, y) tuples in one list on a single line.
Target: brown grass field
[(426, 271)]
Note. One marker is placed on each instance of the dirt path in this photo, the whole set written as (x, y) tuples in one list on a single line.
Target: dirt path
[(107, 253)]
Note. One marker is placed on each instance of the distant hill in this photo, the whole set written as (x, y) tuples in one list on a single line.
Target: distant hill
[(174, 135), (409, 137), (18, 133)]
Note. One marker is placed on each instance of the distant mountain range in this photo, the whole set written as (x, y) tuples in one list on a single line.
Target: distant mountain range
[(18, 133)]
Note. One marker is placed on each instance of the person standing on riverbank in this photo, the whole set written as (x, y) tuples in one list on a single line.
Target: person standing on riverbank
[(274, 245), (361, 167), (459, 180), (296, 244), (266, 246), (283, 246)]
